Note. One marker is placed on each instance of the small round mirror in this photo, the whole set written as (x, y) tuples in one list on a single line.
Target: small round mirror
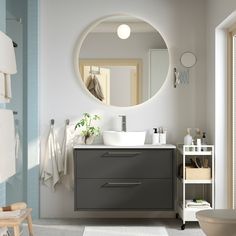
[(188, 59)]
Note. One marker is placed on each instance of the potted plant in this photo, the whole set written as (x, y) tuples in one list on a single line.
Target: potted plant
[(88, 130)]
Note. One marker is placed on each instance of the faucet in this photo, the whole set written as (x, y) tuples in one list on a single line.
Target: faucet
[(123, 123)]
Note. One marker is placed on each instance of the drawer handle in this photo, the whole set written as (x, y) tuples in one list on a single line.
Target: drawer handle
[(120, 154), (121, 185)]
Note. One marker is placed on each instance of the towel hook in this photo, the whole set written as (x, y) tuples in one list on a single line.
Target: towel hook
[(67, 122), (52, 121), (95, 71)]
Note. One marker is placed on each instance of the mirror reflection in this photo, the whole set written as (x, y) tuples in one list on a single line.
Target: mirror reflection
[(123, 61)]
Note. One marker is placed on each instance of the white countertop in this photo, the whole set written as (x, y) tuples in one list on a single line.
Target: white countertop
[(146, 146)]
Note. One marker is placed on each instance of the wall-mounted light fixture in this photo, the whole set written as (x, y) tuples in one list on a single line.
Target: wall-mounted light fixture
[(123, 31)]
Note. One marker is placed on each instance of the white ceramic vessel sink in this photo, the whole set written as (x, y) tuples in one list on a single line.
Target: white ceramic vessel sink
[(118, 138)]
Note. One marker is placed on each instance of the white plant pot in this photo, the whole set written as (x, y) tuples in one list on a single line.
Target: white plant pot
[(80, 140)]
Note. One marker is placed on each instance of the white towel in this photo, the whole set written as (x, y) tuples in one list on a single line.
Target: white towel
[(64, 150), (7, 57), (17, 142), (18, 148), (53, 164), (5, 88), (2, 84), (2, 88), (7, 67), (67, 156), (7, 145), (8, 94), (202, 204)]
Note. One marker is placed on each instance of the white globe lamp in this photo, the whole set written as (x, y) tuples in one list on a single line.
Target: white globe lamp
[(123, 31)]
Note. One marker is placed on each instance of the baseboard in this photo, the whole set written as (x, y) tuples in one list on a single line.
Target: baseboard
[(122, 214)]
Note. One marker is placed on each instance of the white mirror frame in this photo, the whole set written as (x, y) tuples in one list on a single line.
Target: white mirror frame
[(188, 59), (78, 46)]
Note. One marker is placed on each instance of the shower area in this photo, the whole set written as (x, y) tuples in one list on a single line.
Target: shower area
[(21, 25), (14, 187)]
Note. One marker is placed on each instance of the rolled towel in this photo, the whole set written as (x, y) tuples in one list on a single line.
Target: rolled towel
[(14, 206), (3, 231)]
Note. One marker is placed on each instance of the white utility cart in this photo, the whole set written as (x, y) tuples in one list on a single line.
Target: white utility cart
[(194, 183)]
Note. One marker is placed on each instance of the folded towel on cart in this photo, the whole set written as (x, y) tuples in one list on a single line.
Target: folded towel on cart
[(198, 204)]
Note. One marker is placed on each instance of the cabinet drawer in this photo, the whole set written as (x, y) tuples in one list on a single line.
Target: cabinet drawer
[(123, 163), (111, 194)]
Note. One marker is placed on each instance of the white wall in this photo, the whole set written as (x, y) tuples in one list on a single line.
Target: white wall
[(180, 22), (217, 17)]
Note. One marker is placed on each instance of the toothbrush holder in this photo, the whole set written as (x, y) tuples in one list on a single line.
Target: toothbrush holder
[(163, 138)]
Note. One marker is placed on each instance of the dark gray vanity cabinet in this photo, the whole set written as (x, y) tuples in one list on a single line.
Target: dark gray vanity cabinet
[(124, 179)]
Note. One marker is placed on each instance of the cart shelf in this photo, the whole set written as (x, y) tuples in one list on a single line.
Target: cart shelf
[(202, 181), (184, 152)]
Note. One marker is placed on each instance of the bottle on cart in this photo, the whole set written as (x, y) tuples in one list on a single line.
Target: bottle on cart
[(197, 136), (204, 142), (188, 139)]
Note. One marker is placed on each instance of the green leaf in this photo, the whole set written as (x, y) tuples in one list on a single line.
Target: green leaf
[(86, 115), (96, 117), (86, 127)]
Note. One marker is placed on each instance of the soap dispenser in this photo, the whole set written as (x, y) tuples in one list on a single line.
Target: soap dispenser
[(188, 139), (155, 137)]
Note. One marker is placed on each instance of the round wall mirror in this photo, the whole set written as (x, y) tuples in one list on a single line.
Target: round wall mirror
[(188, 59), (123, 61)]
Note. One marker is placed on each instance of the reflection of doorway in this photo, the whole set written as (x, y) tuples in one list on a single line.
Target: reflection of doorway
[(119, 79), (123, 85), (103, 76)]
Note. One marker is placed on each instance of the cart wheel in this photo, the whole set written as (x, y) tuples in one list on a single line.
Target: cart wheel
[(183, 226), (176, 216)]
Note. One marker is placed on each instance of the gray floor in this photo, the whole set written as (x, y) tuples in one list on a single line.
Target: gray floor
[(74, 227)]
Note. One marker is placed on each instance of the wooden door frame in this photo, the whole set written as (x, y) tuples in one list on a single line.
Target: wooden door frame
[(230, 111)]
